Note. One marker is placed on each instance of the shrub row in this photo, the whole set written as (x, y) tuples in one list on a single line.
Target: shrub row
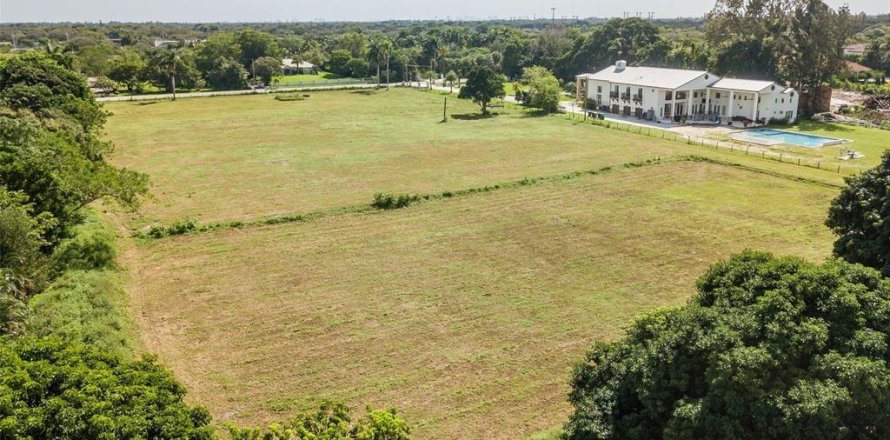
[(393, 201), (384, 201), (290, 97)]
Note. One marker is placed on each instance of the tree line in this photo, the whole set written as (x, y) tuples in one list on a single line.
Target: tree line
[(63, 376), (796, 41)]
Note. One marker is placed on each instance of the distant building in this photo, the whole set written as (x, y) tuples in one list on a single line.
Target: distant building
[(855, 49), (691, 95), (163, 44), (290, 67), (853, 67)]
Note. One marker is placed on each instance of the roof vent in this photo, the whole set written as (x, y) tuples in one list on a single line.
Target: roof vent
[(620, 65)]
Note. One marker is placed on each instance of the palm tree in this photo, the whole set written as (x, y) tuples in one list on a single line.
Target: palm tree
[(168, 61), (451, 77), (58, 54), (379, 50)]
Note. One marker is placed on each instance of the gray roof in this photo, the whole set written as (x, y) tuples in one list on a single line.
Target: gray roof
[(745, 85), (646, 76)]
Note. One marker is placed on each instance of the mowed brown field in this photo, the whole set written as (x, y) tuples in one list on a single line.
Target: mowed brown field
[(248, 157), (465, 313)]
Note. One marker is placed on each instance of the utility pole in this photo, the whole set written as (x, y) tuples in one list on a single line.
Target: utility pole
[(387, 70), (253, 67), (553, 11)]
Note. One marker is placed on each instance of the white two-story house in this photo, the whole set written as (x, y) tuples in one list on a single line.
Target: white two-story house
[(691, 95)]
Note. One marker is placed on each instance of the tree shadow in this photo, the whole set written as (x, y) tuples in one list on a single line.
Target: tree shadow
[(365, 92), (147, 102), (472, 116), (535, 113)]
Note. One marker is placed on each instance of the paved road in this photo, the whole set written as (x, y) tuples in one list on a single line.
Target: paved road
[(165, 96)]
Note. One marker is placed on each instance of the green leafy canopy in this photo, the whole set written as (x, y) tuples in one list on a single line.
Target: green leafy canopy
[(769, 348)]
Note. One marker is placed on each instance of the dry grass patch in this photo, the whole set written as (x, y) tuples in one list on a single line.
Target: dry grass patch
[(466, 313)]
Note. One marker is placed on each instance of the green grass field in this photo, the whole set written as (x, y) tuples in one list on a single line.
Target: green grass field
[(320, 77), (466, 313), (245, 157)]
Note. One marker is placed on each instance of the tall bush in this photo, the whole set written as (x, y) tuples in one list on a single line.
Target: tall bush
[(769, 348)]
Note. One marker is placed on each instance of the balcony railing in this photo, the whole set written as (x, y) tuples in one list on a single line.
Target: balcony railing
[(625, 96), (638, 98), (613, 95)]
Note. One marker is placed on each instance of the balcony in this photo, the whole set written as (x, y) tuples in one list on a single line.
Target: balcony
[(625, 96), (613, 95), (638, 98)]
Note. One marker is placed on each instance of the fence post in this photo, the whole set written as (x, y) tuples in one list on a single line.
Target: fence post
[(819, 165), (780, 157), (746, 150), (838, 169)]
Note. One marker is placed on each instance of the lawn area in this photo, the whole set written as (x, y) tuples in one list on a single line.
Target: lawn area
[(245, 157), (466, 313), (869, 141), (251, 156), (320, 77)]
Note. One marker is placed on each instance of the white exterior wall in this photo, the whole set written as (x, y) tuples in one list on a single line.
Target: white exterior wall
[(743, 104), (776, 105), (700, 83), (651, 99), (772, 104), (592, 93)]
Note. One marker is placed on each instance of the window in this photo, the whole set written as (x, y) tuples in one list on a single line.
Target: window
[(718, 95), (783, 100), (599, 89), (695, 94), (668, 95)]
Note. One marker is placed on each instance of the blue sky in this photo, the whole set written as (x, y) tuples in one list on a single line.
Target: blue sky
[(360, 10)]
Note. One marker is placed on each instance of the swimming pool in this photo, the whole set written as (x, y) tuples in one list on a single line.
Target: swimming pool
[(768, 136)]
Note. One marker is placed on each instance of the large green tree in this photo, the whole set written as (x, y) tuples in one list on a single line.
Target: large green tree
[(483, 84), (255, 45), (769, 348), (35, 82), (799, 41), (50, 389), (127, 68), (543, 88), (226, 74), (173, 69), (634, 40), (860, 216), (49, 145)]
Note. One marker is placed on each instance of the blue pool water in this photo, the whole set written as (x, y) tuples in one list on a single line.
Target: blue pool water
[(787, 137)]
